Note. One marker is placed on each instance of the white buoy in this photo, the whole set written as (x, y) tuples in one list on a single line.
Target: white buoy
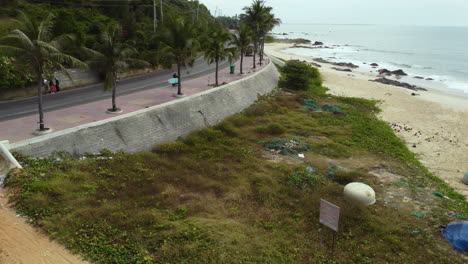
[(359, 193), (465, 178)]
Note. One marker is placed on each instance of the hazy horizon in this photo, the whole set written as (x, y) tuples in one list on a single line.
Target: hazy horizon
[(373, 12)]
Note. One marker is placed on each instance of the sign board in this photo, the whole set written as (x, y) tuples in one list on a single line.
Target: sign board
[(329, 214)]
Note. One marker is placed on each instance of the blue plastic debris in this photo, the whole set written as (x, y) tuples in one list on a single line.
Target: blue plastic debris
[(310, 169), (465, 178), (456, 233)]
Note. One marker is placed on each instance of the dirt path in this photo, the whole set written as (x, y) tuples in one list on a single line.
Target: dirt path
[(20, 243)]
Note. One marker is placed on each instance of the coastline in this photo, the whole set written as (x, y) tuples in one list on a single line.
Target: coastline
[(433, 124)]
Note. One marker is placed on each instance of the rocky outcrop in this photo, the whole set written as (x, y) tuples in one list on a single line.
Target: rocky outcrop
[(399, 72), (374, 65), (315, 64), (340, 64), (343, 70), (318, 43), (429, 79), (399, 84), (296, 41), (419, 77)]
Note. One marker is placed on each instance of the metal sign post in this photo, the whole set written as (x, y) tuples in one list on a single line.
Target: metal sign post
[(330, 217)]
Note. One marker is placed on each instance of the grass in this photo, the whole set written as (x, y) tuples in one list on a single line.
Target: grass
[(215, 196)]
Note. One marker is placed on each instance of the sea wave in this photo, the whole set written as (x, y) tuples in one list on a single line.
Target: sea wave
[(389, 51)]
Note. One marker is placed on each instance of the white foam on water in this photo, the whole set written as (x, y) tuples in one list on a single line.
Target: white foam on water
[(344, 53)]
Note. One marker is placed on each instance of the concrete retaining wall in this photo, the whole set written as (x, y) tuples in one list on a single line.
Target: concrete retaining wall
[(139, 130), (78, 78)]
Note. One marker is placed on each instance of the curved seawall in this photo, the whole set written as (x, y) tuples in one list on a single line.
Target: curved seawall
[(139, 130)]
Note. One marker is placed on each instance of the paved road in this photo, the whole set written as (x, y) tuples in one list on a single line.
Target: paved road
[(28, 106)]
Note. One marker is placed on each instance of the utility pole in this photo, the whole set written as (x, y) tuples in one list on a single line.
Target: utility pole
[(198, 9), (154, 16), (216, 11)]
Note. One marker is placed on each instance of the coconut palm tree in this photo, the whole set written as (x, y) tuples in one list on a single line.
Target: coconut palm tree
[(113, 55), (33, 44), (254, 16), (216, 47), (242, 41), (180, 45), (269, 21)]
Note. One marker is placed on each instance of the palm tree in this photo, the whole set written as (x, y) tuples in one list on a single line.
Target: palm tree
[(33, 44), (181, 45), (242, 41), (216, 47), (269, 21), (112, 55), (253, 16)]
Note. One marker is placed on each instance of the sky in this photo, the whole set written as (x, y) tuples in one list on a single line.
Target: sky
[(390, 12)]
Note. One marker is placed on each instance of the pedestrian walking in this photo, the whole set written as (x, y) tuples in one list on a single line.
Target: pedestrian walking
[(57, 85), (51, 83), (175, 76), (53, 88)]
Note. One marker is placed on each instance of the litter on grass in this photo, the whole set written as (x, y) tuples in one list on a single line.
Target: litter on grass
[(439, 194), (457, 215), (419, 215), (301, 179), (290, 147), (312, 105), (456, 233)]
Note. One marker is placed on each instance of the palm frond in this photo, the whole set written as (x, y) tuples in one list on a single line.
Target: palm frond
[(62, 41), (11, 51), (135, 63), (61, 58), (19, 37), (44, 30), (91, 53), (47, 46)]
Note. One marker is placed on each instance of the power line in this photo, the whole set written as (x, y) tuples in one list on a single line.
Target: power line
[(93, 4)]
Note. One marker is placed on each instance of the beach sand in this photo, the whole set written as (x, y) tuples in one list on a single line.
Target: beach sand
[(434, 125)]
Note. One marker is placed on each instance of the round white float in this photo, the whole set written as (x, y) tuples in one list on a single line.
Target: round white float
[(359, 193), (465, 178)]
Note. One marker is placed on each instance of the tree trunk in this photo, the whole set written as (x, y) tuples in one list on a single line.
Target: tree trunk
[(260, 52), (179, 90), (216, 74), (242, 60), (262, 48), (114, 106), (39, 102), (254, 53)]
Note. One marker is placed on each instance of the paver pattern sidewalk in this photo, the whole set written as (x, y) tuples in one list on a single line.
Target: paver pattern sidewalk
[(23, 128)]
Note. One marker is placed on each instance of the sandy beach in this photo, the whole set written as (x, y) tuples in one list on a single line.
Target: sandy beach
[(433, 124)]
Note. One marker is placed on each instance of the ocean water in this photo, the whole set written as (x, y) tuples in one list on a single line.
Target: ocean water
[(440, 53)]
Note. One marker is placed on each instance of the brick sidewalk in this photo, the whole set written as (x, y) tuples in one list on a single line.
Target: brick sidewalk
[(23, 128)]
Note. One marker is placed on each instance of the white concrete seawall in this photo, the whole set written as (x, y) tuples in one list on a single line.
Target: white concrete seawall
[(139, 130)]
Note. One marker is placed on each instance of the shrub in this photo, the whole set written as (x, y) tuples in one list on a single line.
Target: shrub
[(170, 147), (273, 128), (297, 75), (226, 128), (12, 75)]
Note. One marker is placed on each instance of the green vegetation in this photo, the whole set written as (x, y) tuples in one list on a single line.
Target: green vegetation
[(13, 75), (216, 47), (181, 45), (261, 21), (242, 41), (217, 196), (301, 76), (112, 55), (34, 45)]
